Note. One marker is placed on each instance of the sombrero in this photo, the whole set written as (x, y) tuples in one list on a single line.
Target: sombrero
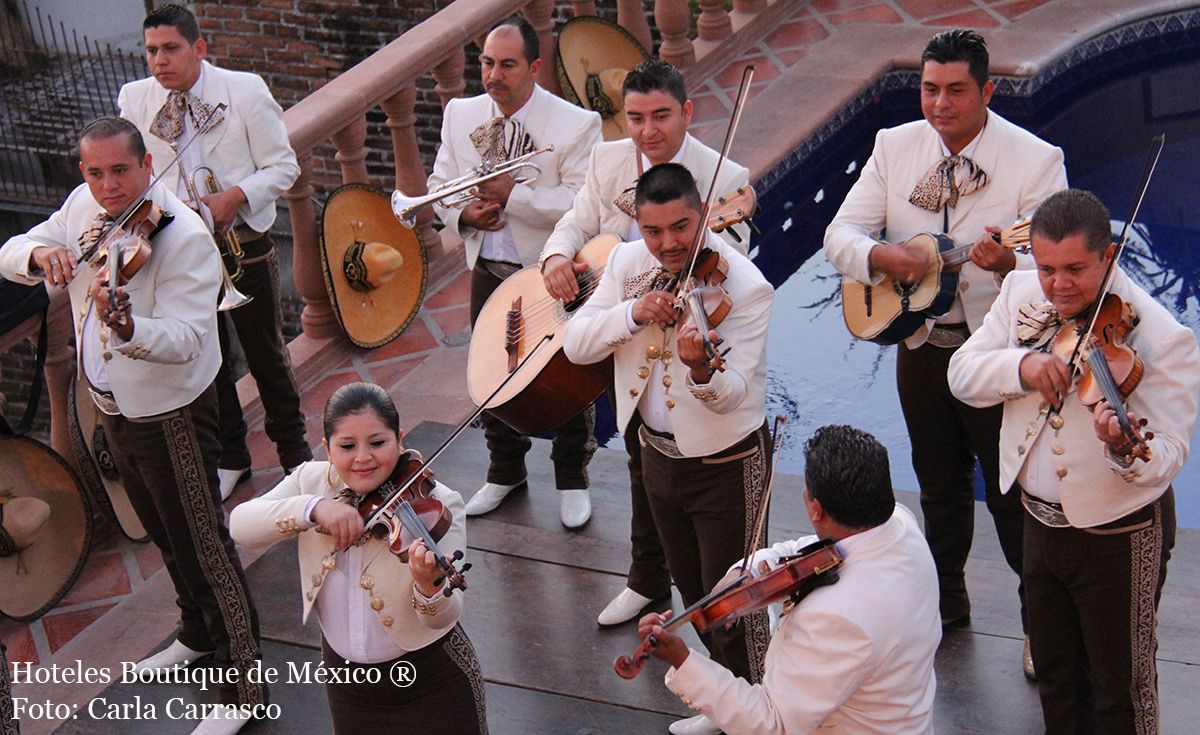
[(93, 456), (594, 56), (375, 268), (47, 527)]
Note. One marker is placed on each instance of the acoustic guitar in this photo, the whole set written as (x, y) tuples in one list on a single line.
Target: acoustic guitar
[(520, 314), (892, 311)]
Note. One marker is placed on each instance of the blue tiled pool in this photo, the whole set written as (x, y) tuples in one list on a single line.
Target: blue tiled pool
[(819, 374)]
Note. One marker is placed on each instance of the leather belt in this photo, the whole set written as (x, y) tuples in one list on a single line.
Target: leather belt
[(105, 401), (948, 336), (662, 443), (501, 269), (1047, 513)]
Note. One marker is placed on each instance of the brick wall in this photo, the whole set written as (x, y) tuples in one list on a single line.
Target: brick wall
[(299, 45)]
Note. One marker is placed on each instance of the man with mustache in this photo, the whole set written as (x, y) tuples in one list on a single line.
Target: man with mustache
[(658, 113), (1099, 511), (963, 171), (705, 444), (506, 225)]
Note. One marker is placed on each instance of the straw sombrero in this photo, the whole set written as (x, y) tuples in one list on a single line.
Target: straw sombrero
[(47, 527), (375, 268), (594, 56), (93, 456)]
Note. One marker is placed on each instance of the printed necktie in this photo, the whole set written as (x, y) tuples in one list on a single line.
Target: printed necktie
[(946, 181), (168, 121)]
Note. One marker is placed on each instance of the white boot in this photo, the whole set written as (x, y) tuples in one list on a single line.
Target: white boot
[(223, 719), (625, 606), (229, 480), (574, 507), (698, 725), (489, 498), (173, 655)]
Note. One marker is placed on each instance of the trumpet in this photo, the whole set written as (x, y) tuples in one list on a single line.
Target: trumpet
[(231, 298), (457, 192)]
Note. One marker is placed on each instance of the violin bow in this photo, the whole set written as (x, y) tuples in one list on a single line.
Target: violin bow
[(1156, 146), (734, 119), (760, 516), (386, 508), (120, 221)]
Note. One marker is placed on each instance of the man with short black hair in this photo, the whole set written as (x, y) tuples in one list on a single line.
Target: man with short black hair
[(705, 446), (658, 112), (506, 224), (852, 656), (1099, 507), (148, 356), (964, 171), (246, 148)]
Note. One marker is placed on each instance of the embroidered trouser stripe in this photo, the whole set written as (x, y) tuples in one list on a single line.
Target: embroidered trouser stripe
[(169, 464)]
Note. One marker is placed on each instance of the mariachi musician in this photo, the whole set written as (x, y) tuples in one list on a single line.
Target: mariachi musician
[(705, 446), (246, 149), (963, 171), (148, 355), (658, 112), (505, 224)]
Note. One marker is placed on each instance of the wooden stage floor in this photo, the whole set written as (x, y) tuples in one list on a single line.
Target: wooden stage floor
[(535, 590)]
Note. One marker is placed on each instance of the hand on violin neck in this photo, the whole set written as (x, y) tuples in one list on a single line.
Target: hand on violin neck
[(57, 263), (1046, 374), (1108, 430), (339, 520), (668, 646), (424, 567), (692, 352), (112, 311), (655, 307)]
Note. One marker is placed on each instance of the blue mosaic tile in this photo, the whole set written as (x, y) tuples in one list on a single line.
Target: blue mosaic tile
[(1090, 60)]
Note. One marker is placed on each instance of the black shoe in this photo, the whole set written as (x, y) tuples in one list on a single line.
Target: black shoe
[(958, 621)]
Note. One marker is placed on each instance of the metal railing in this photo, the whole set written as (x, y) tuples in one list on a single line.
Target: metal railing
[(52, 83)]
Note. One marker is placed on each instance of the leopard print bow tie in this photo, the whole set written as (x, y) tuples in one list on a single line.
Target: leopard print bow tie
[(946, 181)]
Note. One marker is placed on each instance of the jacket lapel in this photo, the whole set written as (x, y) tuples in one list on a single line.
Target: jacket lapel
[(214, 92), (987, 157)]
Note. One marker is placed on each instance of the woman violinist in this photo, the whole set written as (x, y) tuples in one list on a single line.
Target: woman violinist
[(375, 610)]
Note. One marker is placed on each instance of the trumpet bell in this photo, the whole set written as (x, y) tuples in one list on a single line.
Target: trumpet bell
[(232, 298), (405, 207)]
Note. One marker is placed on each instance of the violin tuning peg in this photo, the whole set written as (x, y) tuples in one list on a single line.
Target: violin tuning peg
[(726, 351), (457, 554), (466, 567), (1143, 422), (734, 235)]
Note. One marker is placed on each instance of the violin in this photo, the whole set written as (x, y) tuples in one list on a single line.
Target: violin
[(813, 566), (1110, 370), (707, 303), (403, 509)]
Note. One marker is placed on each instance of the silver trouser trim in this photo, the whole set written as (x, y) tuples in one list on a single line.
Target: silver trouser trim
[(946, 338), (1045, 514), (106, 403), (660, 444)]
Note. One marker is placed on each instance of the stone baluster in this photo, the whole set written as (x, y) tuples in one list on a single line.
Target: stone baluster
[(540, 14), (449, 76), (410, 170), (582, 7), (351, 153), (673, 18), (631, 16), (317, 318), (713, 25)]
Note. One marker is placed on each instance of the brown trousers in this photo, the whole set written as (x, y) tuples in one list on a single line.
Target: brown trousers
[(259, 327), (947, 435), (1093, 603), (703, 508), (169, 465), (444, 694)]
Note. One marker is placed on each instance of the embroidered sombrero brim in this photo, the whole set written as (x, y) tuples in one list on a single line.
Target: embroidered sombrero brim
[(593, 47), (97, 469), (374, 294), (33, 580)]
